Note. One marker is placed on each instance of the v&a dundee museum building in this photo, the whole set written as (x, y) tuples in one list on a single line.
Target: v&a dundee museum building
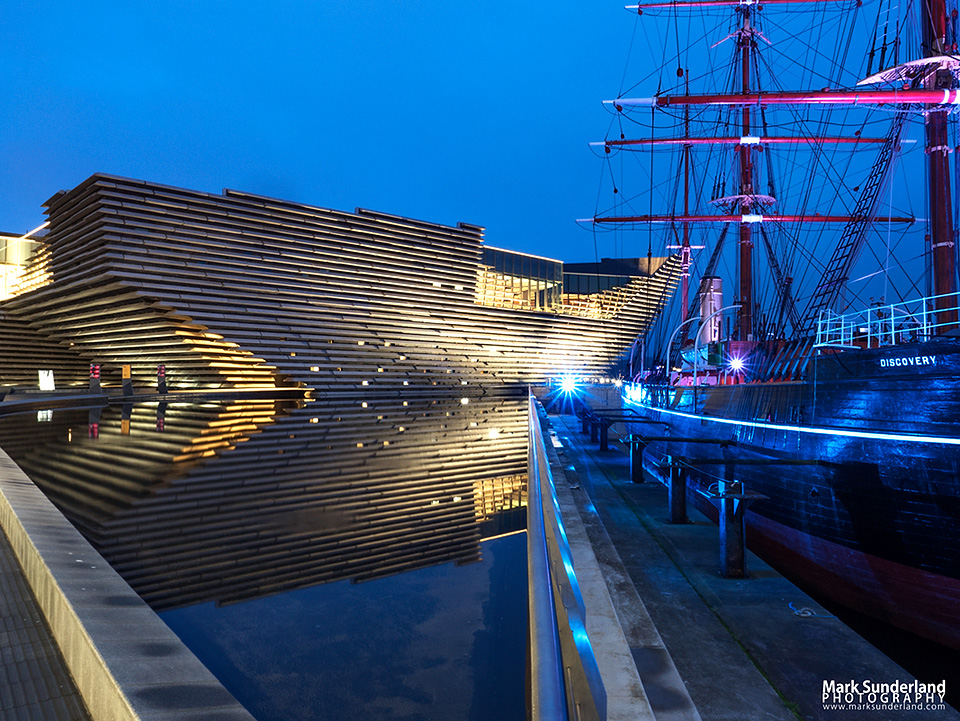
[(242, 291), (298, 435)]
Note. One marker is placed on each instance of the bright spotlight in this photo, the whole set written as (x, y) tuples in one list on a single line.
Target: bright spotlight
[(568, 384), (735, 364)]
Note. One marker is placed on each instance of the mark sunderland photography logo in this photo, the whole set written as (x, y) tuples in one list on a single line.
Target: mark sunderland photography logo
[(869, 695)]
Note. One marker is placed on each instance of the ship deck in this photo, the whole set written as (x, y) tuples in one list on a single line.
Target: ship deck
[(757, 647)]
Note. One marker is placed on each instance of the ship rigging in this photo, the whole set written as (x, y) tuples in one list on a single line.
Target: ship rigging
[(840, 350)]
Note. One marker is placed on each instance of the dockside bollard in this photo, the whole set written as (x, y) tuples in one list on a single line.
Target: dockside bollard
[(94, 377), (677, 490), (636, 459), (604, 435), (585, 422), (732, 564), (161, 378), (594, 430)]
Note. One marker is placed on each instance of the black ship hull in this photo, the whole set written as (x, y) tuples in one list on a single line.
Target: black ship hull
[(871, 515)]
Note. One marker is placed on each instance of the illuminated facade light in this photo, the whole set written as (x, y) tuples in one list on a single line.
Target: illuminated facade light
[(568, 384), (635, 395)]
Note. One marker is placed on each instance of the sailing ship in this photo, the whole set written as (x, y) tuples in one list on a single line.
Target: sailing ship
[(830, 380)]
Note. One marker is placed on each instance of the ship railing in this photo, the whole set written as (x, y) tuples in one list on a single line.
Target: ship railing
[(889, 324), (565, 681)]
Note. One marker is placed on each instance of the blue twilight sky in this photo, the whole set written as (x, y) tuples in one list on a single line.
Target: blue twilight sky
[(443, 110)]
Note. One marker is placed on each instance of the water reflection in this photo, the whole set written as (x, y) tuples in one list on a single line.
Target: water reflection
[(249, 523), (442, 642), (230, 500)]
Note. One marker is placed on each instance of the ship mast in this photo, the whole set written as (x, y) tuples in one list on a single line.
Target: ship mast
[(685, 248), (745, 323), (936, 91), (933, 20)]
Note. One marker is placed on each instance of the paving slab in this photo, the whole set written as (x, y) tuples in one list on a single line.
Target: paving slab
[(34, 680)]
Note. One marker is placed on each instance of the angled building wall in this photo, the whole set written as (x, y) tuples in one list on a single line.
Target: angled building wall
[(238, 290)]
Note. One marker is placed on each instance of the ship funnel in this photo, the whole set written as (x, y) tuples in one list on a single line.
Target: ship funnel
[(711, 300)]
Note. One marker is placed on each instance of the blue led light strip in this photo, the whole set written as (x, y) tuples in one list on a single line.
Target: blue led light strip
[(801, 429)]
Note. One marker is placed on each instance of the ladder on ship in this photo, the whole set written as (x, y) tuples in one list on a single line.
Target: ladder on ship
[(791, 360)]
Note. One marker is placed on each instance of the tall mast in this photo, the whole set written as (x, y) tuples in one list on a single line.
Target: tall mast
[(933, 20), (745, 324), (685, 249)]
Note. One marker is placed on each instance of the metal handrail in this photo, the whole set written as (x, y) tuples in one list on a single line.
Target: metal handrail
[(547, 697), (564, 677), (886, 325)]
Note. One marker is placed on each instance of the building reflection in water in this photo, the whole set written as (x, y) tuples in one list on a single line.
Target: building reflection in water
[(248, 523), (231, 500)]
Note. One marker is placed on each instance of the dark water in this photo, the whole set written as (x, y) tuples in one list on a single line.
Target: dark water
[(437, 643), (351, 557)]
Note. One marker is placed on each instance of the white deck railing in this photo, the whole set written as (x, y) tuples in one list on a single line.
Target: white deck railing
[(886, 325)]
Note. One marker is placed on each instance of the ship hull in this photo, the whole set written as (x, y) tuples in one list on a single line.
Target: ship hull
[(859, 470)]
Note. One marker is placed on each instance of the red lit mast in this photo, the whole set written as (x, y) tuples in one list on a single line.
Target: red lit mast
[(745, 321), (933, 19), (936, 94)]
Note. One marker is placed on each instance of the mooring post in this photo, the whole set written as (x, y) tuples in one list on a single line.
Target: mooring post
[(594, 430), (585, 421), (732, 563), (636, 459), (604, 435), (127, 381), (677, 492), (94, 377), (161, 378)]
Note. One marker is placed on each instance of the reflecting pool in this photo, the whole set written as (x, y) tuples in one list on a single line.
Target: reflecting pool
[(348, 557)]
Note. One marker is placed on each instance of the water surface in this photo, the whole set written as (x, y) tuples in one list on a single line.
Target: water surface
[(354, 557)]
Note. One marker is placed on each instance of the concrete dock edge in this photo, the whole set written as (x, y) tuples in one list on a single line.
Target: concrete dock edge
[(127, 664), (626, 693)]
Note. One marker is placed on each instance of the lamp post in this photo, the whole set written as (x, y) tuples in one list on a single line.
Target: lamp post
[(677, 330), (696, 343)]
